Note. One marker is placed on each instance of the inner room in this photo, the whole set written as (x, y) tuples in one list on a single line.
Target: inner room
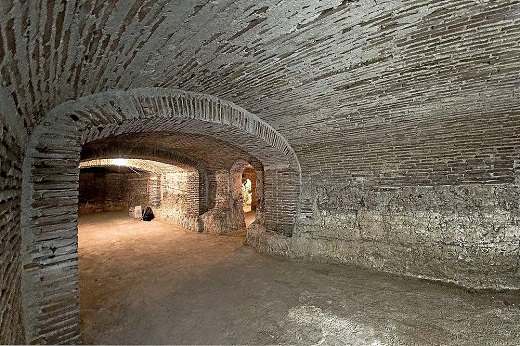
[(133, 186), (260, 172)]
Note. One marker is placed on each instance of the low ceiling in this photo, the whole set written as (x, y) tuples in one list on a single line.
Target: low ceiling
[(111, 169), (209, 152), (131, 165), (341, 74)]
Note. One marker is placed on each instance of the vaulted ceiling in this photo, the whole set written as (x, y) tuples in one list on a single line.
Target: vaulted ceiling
[(341, 76), (203, 150)]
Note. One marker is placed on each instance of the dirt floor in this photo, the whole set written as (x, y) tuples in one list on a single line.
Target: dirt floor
[(152, 283)]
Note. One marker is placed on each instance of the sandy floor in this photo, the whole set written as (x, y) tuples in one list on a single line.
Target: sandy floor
[(150, 283)]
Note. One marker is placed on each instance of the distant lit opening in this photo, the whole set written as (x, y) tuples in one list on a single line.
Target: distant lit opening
[(247, 195)]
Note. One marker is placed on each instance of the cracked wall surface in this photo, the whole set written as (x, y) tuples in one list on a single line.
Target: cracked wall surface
[(464, 234)]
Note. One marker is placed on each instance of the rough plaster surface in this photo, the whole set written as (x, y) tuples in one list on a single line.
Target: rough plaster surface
[(469, 235), (149, 283)]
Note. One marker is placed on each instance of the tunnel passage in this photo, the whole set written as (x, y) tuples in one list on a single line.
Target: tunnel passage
[(214, 161), (249, 186), (119, 184), (124, 146), (113, 188), (49, 199)]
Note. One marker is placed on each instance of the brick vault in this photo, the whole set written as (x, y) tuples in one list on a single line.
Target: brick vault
[(383, 134)]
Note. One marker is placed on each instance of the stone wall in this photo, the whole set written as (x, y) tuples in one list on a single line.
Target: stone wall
[(465, 234), (100, 190), (173, 196), (179, 199), (468, 234), (11, 323), (227, 214)]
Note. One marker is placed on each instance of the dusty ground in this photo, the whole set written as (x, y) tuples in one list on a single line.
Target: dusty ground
[(150, 283)]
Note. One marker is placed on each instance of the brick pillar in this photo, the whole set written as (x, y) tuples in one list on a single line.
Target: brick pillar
[(50, 240), (281, 188)]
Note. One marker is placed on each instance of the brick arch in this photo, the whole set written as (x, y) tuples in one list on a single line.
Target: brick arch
[(163, 156), (168, 157), (117, 112), (51, 173), (141, 164), (185, 211), (235, 184)]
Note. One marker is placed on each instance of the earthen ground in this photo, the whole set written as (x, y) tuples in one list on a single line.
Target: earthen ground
[(153, 283)]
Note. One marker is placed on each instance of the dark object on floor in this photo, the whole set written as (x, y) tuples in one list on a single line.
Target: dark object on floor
[(148, 214)]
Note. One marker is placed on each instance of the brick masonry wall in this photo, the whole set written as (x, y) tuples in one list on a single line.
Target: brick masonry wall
[(330, 64), (11, 324), (49, 242), (105, 191), (280, 207), (179, 191), (172, 192), (377, 96), (179, 199), (450, 150), (108, 149)]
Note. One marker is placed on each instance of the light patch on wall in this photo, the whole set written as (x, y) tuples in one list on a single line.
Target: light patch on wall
[(120, 162), (147, 165)]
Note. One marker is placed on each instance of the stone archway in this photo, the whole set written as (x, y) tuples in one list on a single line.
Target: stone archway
[(160, 155), (172, 190), (51, 173), (235, 186)]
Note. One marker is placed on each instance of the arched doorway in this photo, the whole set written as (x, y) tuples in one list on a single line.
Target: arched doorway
[(49, 199), (171, 190), (247, 198), (250, 194)]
